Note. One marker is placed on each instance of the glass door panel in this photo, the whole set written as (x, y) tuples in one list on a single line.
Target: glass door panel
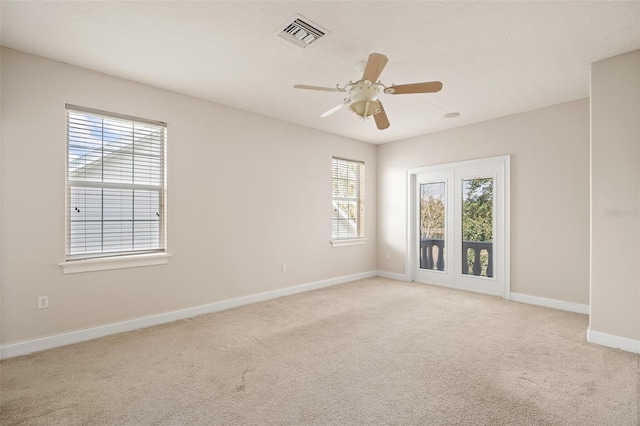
[(433, 226), (433, 222), (479, 241), (477, 227)]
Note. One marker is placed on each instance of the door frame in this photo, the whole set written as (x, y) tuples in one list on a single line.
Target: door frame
[(503, 263)]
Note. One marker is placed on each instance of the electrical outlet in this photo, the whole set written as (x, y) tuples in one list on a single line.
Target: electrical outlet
[(43, 302), (284, 267), (388, 256)]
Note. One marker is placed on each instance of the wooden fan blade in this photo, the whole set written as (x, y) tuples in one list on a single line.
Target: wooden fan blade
[(325, 89), (402, 89), (332, 110), (374, 67), (382, 121)]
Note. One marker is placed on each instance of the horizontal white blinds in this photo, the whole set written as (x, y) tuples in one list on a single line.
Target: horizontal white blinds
[(348, 188), (115, 184)]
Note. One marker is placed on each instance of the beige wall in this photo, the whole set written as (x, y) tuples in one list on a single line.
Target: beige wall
[(246, 194), (549, 151), (238, 209), (615, 196), (1, 223)]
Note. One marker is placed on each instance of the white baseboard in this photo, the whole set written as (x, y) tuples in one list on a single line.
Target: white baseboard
[(516, 297), (550, 303), (35, 345), (612, 341), (392, 275)]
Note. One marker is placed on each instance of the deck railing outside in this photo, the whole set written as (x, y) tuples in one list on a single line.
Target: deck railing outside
[(434, 260)]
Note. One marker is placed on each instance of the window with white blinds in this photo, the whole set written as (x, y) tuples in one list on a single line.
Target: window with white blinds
[(116, 184), (348, 199)]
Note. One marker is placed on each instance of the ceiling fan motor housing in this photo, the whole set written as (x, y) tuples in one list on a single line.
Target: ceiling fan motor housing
[(364, 97)]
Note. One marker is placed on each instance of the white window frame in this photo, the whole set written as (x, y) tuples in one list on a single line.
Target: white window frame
[(359, 225), (125, 258)]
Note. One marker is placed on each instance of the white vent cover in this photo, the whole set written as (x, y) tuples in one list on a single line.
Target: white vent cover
[(301, 32)]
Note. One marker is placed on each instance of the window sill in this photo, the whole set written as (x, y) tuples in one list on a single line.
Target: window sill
[(350, 242), (116, 262)]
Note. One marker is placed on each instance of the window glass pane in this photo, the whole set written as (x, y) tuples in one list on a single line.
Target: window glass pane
[(117, 204), (147, 205), (118, 235), (146, 233), (86, 237), (118, 167), (86, 204), (477, 227)]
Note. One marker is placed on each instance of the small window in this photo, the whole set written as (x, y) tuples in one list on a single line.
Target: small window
[(115, 185), (348, 199)]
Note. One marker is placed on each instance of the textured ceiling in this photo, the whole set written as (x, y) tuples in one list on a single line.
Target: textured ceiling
[(494, 58)]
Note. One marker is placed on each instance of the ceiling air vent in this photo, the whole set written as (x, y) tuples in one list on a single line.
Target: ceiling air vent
[(301, 32)]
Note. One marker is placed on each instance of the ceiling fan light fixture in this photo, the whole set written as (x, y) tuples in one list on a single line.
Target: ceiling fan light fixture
[(364, 90), (365, 108)]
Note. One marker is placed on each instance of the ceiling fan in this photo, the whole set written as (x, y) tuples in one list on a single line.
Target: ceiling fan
[(363, 94)]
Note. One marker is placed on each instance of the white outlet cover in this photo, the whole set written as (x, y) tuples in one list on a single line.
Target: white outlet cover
[(43, 302)]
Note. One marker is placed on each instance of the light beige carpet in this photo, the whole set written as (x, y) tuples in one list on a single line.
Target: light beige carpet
[(371, 352)]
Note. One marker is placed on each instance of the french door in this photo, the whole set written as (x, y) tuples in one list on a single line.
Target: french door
[(459, 225)]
